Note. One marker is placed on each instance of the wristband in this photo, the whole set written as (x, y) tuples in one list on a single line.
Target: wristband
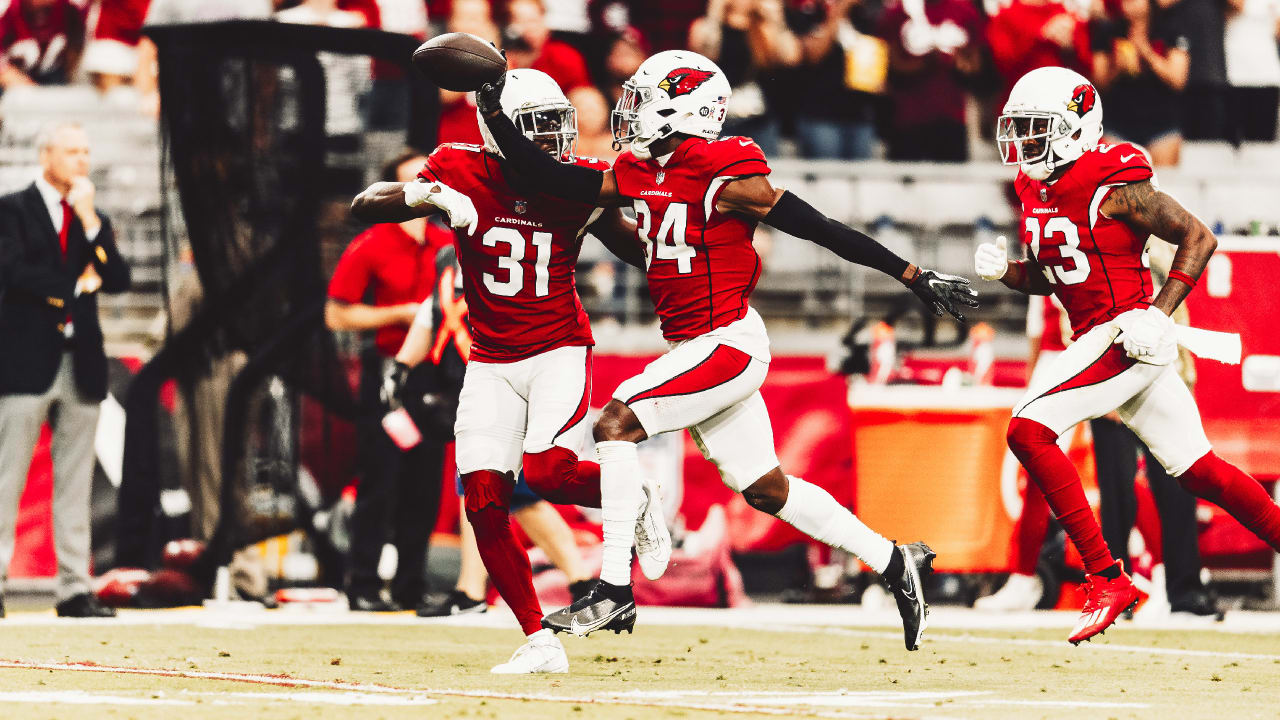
[(1179, 275)]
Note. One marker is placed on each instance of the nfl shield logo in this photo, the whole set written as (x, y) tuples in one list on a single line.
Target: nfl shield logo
[(521, 207), (662, 175)]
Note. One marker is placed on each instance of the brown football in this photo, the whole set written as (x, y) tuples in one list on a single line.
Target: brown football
[(459, 61)]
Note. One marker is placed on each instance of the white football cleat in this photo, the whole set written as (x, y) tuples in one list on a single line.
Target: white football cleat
[(1020, 592), (653, 539), (542, 654)]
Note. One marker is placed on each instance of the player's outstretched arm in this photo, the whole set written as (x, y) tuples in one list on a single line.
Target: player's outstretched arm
[(397, 202), (1146, 209), (756, 198), (414, 349), (571, 182), (417, 342), (991, 262), (618, 233)]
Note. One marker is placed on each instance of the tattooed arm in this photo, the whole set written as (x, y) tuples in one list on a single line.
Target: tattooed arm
[(1148, 210)]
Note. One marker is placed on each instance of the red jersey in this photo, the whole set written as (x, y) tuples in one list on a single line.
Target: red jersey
[(701, 264), (1095, 264), (518, 267), (37, 43), (398, 268)]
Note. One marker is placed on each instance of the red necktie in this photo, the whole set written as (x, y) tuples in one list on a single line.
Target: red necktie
[(66, 225)]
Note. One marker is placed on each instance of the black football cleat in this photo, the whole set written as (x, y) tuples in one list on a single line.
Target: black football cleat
[(580, 589), (908, 590), (455, 602), (606, 607)]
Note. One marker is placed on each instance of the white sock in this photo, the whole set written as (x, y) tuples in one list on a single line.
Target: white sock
[(813, 511), (620, 498), (542, 636)]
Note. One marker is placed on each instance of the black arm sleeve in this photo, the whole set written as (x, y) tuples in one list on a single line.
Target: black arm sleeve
[(571, 182), (796, 217)]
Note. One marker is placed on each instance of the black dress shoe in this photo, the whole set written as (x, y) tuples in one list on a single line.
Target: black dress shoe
[(1199, 603), (372, 603), (84, 605)]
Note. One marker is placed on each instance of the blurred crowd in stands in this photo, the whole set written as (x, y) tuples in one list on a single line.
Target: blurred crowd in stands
[(912, 79)]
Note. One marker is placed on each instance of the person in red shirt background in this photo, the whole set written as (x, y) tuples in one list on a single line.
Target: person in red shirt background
[(935, 50), (529, 44), (41, 40), (383, 276), (1030, 34), (457, 109)]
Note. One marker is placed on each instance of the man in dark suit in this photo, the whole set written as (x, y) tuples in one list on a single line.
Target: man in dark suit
[(56, 253)]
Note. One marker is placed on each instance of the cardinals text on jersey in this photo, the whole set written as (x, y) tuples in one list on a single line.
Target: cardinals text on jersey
[(1094, 263), (701, 264), (518, 267)]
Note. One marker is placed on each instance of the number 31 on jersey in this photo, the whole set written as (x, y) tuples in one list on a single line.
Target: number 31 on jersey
[(1072, 267)]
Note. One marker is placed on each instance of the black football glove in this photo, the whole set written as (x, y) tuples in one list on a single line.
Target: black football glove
[(489, 96), (943, 292), (393, 385)]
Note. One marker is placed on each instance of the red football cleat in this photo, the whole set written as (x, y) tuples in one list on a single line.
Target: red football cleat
[(1107, 600)]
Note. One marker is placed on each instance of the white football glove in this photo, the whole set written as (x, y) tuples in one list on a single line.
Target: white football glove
[(1151, 338), (991, 260), (461, 212)]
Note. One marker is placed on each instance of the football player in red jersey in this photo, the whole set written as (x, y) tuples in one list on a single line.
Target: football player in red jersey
[(698, 198), (527, 387), (1087, 210)]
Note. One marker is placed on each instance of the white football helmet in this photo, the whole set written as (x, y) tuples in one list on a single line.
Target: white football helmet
[(1053, 116), (539, 109), (676, 91)]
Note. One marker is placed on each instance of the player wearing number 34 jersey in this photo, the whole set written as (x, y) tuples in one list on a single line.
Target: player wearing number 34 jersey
[(1087, 210), (697, 199), (527, 385)]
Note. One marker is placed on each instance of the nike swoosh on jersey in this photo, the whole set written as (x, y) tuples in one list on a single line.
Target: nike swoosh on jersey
[(1127, 158), (744, 143)]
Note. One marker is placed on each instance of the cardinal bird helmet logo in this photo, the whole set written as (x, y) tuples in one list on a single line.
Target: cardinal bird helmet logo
[(1082, 100), (683, 81)]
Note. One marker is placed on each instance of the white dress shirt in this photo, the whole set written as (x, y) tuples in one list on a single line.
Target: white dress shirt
[(53, 203)]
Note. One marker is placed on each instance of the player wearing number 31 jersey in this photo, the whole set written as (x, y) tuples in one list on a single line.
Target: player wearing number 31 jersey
[(698, 198), (527, 386), (1087, 210)]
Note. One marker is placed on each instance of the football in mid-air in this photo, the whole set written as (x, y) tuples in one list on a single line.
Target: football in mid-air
[(459, 61)]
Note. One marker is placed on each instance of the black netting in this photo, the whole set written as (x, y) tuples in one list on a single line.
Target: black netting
[(269, 130)]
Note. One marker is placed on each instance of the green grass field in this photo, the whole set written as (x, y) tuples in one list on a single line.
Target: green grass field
[(400, 667)]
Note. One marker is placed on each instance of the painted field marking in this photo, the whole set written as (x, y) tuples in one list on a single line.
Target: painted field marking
[(838, 704), (1031, 642), (83, 697), (281, 680)]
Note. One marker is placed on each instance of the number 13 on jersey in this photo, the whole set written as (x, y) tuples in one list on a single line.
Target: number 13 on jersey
[(669, 242)]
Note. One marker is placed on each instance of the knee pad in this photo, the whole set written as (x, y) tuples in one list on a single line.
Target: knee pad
[(1026, 436), (547, 470), (483, 488)]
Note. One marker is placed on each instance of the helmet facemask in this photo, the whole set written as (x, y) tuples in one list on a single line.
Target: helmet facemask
[(552, 127), (625, 118), (1028, 137)]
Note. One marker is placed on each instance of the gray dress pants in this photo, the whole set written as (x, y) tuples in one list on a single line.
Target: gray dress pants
[(75, 422)]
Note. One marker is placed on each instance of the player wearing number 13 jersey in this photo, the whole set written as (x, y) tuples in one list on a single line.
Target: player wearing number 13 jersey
[(697, 199), (526, 390), (1087, 211)]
